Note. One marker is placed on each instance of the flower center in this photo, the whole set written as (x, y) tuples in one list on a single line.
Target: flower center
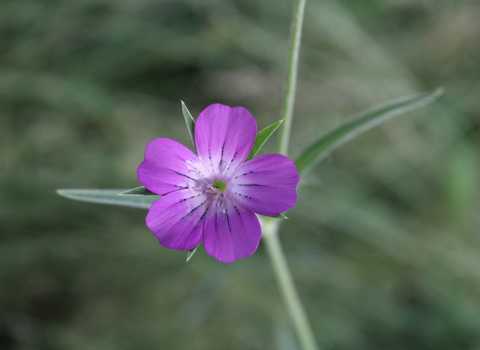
[(222, 186)]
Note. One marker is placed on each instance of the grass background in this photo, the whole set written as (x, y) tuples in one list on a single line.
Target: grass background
[(384, 242)]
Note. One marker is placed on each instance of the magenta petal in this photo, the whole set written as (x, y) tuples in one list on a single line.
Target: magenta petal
[(177, 219), (266, 184), (231, 234), (224, 137), (168, 166)]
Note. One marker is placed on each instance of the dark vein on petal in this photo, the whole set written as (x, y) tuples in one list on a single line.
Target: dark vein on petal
[(228, 219), (202, 217), (221, 158), (231, 160), (245, 174), (238, 211), (210, 158), (176, 172), (185, 199), (191, 211), (251, 185), (233, 203)]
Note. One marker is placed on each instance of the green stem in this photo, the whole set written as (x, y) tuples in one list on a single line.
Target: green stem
[(293, 304), (270, 226), (292, 69)]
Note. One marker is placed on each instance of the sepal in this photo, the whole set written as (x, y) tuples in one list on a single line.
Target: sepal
[(262, 137)]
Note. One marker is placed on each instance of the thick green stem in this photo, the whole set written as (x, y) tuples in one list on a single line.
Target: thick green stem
[(294, 307), (292, 69)]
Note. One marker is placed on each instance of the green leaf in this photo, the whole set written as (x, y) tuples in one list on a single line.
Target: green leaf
[(137, 191), (189, 121), (108, 197), (360, 123), (262, 137), (191, 252)]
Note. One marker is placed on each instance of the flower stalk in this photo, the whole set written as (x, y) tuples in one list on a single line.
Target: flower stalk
[(270, 227), (292, 72), (289, 293)]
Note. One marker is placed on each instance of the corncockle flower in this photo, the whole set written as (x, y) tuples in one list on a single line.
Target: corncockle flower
[(214, 196)]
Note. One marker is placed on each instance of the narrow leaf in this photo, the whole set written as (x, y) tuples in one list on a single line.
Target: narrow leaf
[(137, 191), (108, 197), (262, 137), (191, 252), (360, 123), (189, 121)]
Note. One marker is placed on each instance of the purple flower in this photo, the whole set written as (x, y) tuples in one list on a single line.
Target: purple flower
[(214, 196)]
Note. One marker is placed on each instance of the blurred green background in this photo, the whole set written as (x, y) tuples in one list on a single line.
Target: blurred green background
[(384, 242)]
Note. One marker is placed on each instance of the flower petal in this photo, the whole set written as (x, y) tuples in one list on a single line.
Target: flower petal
[(177, 219), (266, 184), (231, 233), (224, 137), (169, 166)]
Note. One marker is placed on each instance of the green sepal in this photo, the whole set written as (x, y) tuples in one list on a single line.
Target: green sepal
[(189, 121), (360, 123), (279, 216), (192, 251), (109, 196), (137, 191), (262, 137)]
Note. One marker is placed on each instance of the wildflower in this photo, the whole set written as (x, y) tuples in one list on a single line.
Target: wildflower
[(213, 197)]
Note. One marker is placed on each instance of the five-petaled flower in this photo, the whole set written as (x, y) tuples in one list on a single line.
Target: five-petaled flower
[(213, 197)]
